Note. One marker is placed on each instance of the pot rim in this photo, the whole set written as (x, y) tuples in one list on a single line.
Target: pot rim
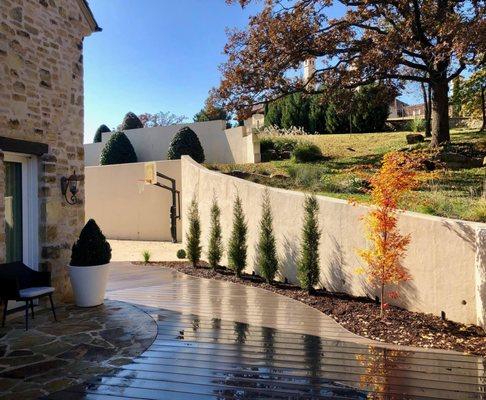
[(88, 266)]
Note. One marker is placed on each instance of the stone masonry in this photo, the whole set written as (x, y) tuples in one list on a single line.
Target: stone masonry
[(41, 100)]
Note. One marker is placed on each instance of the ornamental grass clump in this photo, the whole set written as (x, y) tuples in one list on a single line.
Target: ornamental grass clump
[(267, 247), (146, 256), (193, 237), (215, 247), (237, 246), (308, 264), (399, 174)]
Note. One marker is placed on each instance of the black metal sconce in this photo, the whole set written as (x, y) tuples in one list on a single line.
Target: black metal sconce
[(70, 183)]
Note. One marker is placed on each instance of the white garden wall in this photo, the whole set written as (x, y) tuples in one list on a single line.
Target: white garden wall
[(220, 145), (114, 201), (446, 257)]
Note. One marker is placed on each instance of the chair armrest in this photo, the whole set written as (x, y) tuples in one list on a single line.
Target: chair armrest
[(9, 289), (41, 278)]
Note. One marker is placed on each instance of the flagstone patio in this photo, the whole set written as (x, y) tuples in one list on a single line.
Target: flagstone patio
[(55, 355), (218, 340)]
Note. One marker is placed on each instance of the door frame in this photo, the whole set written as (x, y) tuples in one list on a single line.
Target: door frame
[(30, 206)]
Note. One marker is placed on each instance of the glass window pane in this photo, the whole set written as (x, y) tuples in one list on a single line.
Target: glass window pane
[(13, 212)]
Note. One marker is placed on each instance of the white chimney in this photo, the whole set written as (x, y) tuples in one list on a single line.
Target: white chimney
[(309, 71)]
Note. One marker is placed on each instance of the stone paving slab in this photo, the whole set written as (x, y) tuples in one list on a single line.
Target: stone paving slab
[(54, 355)]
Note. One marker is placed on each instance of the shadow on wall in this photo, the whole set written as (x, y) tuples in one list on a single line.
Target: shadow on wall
[(407, 292), (288, 264), (463, 230), (337, 280)]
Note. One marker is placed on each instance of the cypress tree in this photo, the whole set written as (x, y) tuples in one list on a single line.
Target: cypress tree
[(193, 237), (317, 115), (291, 112), (336, 122), (273, 114), (308, 265), (237, 246), (267, 247), (215, 248)]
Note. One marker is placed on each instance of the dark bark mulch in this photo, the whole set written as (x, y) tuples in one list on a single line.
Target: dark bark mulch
[(361, 315)]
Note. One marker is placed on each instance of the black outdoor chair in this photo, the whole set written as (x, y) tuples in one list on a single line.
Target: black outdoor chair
[(20, 283)]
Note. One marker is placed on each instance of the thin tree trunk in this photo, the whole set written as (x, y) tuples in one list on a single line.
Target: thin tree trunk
[(440, 112), (382, 301), (426, 96), (483, 104)]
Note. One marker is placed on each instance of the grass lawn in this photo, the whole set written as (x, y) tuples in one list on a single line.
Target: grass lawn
[(352, 158)]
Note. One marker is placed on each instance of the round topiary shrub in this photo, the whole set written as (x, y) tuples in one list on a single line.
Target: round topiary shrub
[(181, 254), (186, 142), (118, 150), (131, 121), (98, 135), (91, 248), (306, 152)]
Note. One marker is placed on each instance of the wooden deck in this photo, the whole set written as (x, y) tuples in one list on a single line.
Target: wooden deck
[(218, 340)]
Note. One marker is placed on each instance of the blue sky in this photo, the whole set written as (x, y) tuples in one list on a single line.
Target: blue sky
[(154, 55)]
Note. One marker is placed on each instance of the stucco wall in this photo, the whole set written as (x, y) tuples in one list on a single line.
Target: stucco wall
[(41, 100), (441, 255), (152, 144), (114, 202)]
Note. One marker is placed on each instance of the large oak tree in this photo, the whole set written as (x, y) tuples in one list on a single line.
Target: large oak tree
[(425, 41)]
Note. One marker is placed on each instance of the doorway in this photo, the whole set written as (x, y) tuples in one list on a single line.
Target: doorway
[(21, 209)]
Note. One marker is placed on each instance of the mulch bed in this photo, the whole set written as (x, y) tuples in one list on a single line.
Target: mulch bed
[(361, 315)]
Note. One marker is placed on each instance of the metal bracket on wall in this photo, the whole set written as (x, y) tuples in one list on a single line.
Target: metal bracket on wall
[(175, 209)]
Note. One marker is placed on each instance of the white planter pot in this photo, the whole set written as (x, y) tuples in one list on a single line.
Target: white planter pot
[(89, 284)]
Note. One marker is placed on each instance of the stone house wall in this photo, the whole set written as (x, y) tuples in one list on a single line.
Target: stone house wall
[(41, 100)]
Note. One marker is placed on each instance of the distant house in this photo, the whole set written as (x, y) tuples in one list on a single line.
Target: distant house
[(41, 130), (397, 108), (415, 110)]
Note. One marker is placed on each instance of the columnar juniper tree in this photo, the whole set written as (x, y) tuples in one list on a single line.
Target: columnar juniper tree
[(237, 246), (308, 265), (267, 247), (193, 238), (398, 41), (215, 247)]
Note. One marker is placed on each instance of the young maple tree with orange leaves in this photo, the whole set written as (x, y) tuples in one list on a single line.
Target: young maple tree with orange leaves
[(399, 174)]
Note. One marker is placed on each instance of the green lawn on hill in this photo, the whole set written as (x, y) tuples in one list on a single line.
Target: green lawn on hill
[(352, 158)]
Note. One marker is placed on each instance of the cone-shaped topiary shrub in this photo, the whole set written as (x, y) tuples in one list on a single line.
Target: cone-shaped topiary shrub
[(215, 247), (131, 121), (91, 248), (118, 150), (193, 237), (98, 135), (186, 142), (267, 246), (237, 246), (308, 265)]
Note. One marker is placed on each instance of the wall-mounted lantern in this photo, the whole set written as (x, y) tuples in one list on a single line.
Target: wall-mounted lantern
[(70, 183)]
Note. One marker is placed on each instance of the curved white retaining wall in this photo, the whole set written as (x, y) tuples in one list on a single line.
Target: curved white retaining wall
[(446, 258)]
